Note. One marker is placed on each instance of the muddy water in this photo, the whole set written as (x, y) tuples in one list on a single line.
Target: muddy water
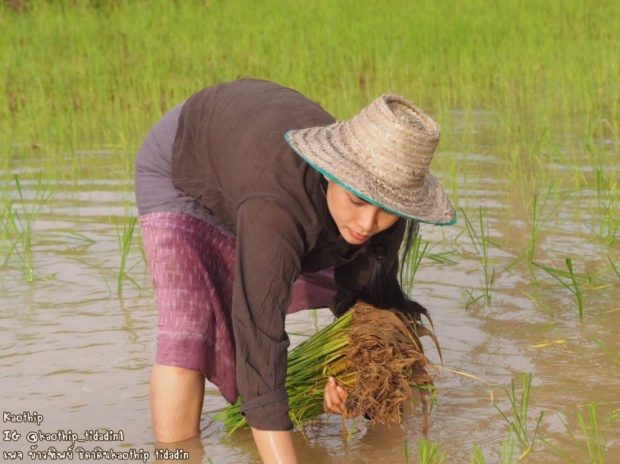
[(76, 356)]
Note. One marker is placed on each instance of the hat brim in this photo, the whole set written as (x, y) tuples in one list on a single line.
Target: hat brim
[(428, 203)]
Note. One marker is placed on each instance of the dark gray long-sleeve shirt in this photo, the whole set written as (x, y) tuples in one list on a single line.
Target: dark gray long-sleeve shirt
[(231, 155)]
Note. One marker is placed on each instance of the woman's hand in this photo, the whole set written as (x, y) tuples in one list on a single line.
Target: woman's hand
[(335, 398)]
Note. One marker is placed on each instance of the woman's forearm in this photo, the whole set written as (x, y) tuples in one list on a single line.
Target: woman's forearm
[(275, 446)]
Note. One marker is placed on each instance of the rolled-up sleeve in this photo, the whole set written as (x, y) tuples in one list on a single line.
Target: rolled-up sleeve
[(268, 260)]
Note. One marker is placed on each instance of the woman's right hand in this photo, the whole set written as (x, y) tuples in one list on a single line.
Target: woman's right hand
[(335, 398)]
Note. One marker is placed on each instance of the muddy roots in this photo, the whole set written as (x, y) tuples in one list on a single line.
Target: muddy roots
[(388, 359)]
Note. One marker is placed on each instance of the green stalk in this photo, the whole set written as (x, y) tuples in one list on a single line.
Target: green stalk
[(125, 239), (481, 242), (417, 253), (606, 350), (574, 286), (520, 409), (478, 456), (309, 366), (533, 231), (595, 444), (429, 453), (508, 449), (613, 266), (18, 226)]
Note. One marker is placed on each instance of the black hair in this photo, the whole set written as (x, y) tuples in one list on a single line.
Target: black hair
[(384, 291)]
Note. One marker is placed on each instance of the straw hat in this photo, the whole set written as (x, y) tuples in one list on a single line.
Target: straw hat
[(382, 155)]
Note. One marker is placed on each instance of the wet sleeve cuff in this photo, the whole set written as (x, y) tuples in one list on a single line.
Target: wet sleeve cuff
[(268, 412)]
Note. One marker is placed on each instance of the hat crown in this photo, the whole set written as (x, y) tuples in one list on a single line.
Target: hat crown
[(395, 140)]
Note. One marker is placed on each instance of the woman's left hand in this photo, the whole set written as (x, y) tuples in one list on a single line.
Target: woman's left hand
[(335, 398)]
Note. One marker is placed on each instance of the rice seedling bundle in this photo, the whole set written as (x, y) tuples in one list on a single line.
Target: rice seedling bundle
[(375, 354)]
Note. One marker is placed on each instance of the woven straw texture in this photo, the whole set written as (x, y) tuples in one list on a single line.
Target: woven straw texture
[(382, 155)]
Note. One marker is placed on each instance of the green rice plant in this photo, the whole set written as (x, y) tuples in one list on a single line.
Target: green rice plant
[(6, 234), (613, 266), (606, 350), (18, 225), (348, 430), (593, 438), (573, 283), (535, 228), (429, 453), (538, 302), (406, 450), (508, 451), (539, 218), (77, 237), (374, 354), (608, 227), (610, 222), (478, 455), (442, 257), (480, 241), (417, 252), (309, 366), (116, 75), (540, 214), (590, 430), (519, 423), (125, 238)]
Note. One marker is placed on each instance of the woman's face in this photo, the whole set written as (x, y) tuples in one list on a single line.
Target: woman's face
[(357, 220)]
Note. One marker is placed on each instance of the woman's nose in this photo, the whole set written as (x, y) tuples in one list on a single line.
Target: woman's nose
[(367, 220)]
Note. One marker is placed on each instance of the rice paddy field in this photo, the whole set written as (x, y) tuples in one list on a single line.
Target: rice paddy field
[(524, 290)]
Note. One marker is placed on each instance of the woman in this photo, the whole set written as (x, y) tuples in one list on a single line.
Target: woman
[(253, 202)]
